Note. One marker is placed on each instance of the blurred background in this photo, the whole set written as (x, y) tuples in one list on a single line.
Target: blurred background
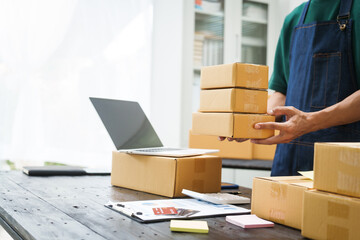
[(56, 54)]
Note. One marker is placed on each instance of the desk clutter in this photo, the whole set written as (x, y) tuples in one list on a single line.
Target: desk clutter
[(162, 210), (233, 98), (327, 207)]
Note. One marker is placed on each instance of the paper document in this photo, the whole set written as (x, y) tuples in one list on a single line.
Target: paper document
[(160, 210), (308, 174)]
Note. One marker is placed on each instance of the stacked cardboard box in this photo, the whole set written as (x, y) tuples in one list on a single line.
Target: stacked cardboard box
[(280, 199), (232, 150), (332, 211), (233, 98)]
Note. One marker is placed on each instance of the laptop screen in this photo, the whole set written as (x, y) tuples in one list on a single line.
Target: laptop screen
[(126, 124)]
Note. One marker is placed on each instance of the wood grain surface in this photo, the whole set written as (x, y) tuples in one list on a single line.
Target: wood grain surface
[(73, 208)]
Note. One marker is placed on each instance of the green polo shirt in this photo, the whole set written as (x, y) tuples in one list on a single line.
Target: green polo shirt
[(319, 10)]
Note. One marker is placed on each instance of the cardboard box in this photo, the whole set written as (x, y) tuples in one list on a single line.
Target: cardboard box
[(337, 168), (330, 216), (166, 176), (264, 152), (280, 199), (227, 149), (235, 125), (234, 75), (233, 100)]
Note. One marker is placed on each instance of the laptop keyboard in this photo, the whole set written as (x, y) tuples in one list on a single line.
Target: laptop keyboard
[(158, 149)]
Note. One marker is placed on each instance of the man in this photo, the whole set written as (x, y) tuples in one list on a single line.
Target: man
[(316, 80)]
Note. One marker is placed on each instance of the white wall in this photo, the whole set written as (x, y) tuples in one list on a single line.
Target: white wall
[(53, 56), (166, 70)]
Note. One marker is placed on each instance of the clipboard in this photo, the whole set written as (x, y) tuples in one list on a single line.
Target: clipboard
[(166, 209)]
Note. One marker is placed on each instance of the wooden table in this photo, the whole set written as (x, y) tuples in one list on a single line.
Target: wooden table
[(73, 208)]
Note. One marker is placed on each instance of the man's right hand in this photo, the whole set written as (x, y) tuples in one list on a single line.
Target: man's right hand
[(232, 139)]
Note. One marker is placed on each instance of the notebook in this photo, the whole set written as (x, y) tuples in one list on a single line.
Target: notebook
[(194, 226), (249, 221), (132, 132)]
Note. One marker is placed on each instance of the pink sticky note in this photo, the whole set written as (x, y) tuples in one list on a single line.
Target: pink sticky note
[(248, 221)]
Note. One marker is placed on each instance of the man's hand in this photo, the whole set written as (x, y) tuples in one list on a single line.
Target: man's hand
[(232, 139), (297, 123)]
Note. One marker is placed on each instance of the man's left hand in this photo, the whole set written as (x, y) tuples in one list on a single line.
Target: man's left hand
[(297, 123)]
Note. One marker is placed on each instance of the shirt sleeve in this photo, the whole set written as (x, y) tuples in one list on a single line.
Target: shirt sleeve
[(279, 77)]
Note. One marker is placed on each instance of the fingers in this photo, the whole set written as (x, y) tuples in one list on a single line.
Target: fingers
[(232, 139), (221, 138), (271, 140), (241, 139), (270, 125), (288, 111)]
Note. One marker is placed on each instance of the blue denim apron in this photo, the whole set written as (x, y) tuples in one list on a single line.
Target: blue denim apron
[(321, 74)]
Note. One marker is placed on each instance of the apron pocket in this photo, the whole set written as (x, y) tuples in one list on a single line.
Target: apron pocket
[(325, 79)]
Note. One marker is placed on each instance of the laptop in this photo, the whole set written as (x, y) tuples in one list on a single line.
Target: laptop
[(132, 132)]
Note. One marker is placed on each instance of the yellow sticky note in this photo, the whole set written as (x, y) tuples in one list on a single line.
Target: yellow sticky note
[(308, 174), (189, 226)]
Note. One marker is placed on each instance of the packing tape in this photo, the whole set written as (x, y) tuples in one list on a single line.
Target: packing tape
[(349, 184), (334, 232), (198, 185), (338, 210), (277, 215), (200, 165), (351, 158), (278, 191)]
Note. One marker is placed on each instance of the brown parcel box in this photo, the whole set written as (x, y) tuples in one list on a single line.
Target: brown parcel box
[(235, 125), (166, 176), (234, 75), (330, 216), (233, 100), (337, 168), (227, 149), (280, 199), (264, 152)]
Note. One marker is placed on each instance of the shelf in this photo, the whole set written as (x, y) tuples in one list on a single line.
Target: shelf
[(253, 42), (254, 20), (215, 14)]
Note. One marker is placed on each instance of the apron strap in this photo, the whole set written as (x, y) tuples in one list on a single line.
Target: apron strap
[(344, 13), (345, 7), (303, 14)]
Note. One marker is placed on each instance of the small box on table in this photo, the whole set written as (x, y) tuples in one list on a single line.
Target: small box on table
[(166, 176), (280, 199), (330, 216)]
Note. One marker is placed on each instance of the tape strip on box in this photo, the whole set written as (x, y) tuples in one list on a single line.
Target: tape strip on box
[(338, 210), (200, 166), (198, 184), (334, 232)]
